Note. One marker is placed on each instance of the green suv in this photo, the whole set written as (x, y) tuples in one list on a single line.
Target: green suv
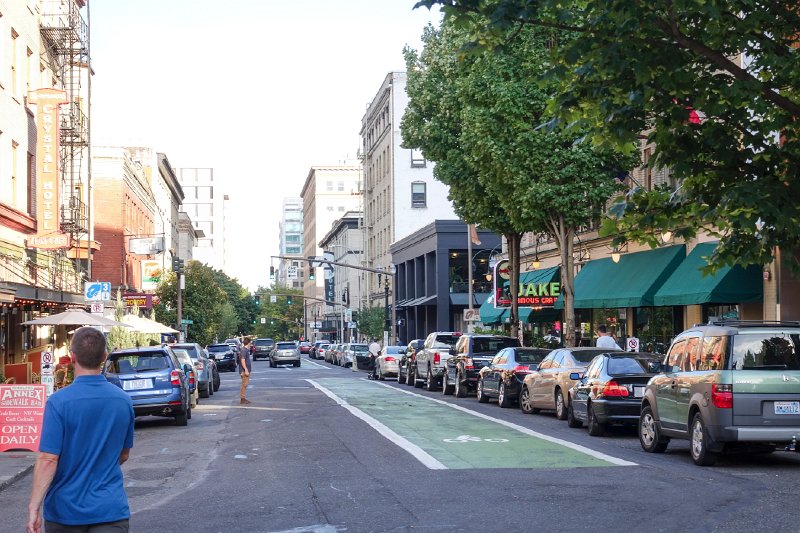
[(726, 385)]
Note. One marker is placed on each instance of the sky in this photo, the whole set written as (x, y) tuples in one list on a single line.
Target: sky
[(260, 90)]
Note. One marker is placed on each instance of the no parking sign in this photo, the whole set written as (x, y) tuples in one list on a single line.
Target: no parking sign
[(633, 344)]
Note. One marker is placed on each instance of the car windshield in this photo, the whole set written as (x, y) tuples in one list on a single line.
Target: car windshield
[(531, 356), (218, 348), (183, 356), (286, 346), (629, 365), (766, 351), (585, 356), (143, 362), (492, 345), (359, 348)]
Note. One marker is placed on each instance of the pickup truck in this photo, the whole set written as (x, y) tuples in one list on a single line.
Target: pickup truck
[(430, 362), (472, 352)]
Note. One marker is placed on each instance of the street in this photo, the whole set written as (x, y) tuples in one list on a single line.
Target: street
[(322, 449)]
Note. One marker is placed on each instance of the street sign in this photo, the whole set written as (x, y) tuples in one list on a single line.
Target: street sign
[(186, 321), (97, 308), (291, 272), (97, 291), (472, 315), (348, 315), (273, 299), (633, 344), (263, 320)]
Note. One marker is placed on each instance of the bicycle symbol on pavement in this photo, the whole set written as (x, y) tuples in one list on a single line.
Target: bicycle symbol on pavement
[(470, 438)]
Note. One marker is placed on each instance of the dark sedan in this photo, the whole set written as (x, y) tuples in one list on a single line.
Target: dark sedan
[(405, 367), (610, 390), (223, 355), (502, 378)]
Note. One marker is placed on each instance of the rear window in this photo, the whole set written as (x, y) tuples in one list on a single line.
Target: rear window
[(286, 346), (144, 362), (766, 351), (585, 356), (628, 365), (358, 348), (531, 356), (395, 350), (480, 345), (448, 340), (188, 348), (265, 342), (218, 348)]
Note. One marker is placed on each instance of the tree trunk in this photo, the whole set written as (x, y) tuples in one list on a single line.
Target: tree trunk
[(513, 281), (565, 239)]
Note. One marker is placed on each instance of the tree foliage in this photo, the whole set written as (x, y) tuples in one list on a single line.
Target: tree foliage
[(478, 117), (371, 321), (282, 321), (713, 84)]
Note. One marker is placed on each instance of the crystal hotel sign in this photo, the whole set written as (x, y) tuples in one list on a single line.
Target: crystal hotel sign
[(48, 231)]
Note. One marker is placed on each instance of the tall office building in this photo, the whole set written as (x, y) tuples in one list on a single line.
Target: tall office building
[(291, 243), (204, 202)]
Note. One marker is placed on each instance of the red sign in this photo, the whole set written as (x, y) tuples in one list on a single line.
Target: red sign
[(140, 300), (21, 414)]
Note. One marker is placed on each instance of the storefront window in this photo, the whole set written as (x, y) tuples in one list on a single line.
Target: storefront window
[(720, 312), (616, 321), (655, 327)]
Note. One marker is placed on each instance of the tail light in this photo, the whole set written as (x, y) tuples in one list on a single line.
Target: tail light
[(722, 396), (522, 369), (175, 377), (191, 378), (389, 359), (468, 363), (436, 358), (614, 389)]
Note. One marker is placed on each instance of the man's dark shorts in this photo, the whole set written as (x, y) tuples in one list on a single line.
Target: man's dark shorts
[(120, 526)]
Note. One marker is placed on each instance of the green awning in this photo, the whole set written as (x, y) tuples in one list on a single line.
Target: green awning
[(544, 276), (546, 314), (729, 285), (632, 282), (490, 315)]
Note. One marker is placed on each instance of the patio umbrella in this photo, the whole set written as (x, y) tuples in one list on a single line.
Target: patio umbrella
[(74, 317), (145, 325)]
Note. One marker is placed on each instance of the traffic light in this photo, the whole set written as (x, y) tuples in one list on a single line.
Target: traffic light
[(289, 300), (177, 265), (258, 299), (311, 275), (271, 272)]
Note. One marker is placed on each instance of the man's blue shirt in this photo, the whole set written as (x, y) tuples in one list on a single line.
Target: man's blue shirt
[(87, 424)]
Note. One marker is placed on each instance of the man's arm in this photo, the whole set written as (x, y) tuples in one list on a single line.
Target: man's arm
[(43, 473), (243, 363), (124, 455)]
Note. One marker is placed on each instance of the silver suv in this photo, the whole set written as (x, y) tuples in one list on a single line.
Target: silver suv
[(726, 385), (284, 353)]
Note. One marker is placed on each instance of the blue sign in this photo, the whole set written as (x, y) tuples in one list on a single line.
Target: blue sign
[(97, 291)]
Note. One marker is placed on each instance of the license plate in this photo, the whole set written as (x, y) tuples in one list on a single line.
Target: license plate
[(137, 384), (787, 408), (638, 392)]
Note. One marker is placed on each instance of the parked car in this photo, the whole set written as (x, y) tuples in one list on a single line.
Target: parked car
[(405, 367), (336, 353), (548, 386), (354, 353), (283, 353), (503, 377), (214, 370), (322, 351), (262, 348), (205, 370), (304, 347), (386, 362), (235, 343), (223, 355), (314, 352), (472, 353), (155, 380), (611, 390), (723, 386), (430, 361), (188, 365)]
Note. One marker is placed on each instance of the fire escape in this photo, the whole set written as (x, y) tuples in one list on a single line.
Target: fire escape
[(65, 39)]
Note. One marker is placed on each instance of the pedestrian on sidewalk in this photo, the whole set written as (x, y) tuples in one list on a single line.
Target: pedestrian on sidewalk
[(604, 339), (245, 367), (87, 433)]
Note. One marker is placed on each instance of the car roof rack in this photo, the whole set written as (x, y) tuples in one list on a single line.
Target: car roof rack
[(753, 323)]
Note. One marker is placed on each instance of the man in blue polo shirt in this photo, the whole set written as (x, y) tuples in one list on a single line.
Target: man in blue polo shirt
[(87, 434)]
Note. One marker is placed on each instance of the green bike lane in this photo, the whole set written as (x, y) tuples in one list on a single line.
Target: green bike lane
[(443, 435)]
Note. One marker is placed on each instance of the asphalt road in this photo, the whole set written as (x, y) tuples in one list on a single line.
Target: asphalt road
[(321, 449)]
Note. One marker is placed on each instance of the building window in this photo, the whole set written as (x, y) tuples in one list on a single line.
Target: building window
[(293, 238), (417, 159), (340, 186), (418, 196), (329, 186), (14, 170), (31, 170), (341, 208), (330, 208)]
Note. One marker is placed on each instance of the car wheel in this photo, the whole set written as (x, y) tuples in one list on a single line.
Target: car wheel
[(571, 420), (482, 398), (561, 409), (411, 377), (594, 426), (211, 386), (526, 402), (503, 400), (182, 419), (217, 383), (380, 375), (700, 443), (461, 386), (205, 394), (447, 388), (297, 364), (430, 383), (649, 435), (418, 383), (271, 363)]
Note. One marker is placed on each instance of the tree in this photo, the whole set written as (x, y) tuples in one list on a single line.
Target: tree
[(243, 307), (713, 84), (281, 320), (478, 118), (371, 321)]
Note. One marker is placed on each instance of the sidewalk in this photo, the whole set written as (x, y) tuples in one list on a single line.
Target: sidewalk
[(15, 465)]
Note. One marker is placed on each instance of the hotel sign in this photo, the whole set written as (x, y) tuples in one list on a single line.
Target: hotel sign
[(48, 178)]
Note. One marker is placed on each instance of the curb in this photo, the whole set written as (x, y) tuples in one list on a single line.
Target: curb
[(16, 477)]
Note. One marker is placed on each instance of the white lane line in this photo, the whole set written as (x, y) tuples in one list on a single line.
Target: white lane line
[(418, 453), (522, 429), (315, 364)]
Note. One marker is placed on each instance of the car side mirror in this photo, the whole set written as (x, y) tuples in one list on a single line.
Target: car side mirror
[(575, 376), (187, 368)]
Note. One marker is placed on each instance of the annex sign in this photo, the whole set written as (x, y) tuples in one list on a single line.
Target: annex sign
[(21, 415)]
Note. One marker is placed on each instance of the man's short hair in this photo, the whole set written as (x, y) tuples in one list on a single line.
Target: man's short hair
[(246, 340), (602, 328), (89, 347)]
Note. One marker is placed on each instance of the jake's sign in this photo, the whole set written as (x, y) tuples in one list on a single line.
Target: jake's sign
[(21, 414), (529, 295)]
